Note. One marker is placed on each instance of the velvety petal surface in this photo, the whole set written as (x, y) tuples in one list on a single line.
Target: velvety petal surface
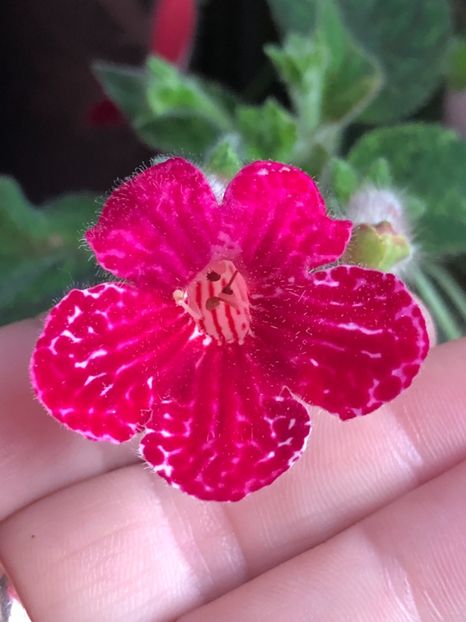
[(232, 431), (104, 355), (158, 227), (348, 340), (275, 216)]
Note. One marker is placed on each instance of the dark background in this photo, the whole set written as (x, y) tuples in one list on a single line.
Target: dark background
[(47, 87)]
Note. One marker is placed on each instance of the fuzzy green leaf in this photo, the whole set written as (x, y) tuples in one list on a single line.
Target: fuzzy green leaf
[(223, 159), (268, 131), (126, 87), (169, 110), (331, 80), (410, 39), (41, 254), (378, 173), (169, 91), (301, 63), (352, 78), (185, 135), (344, 180), (426, 161)]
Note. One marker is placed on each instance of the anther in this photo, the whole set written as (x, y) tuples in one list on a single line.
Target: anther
[(212, 303), (227, 289), (179, 298)]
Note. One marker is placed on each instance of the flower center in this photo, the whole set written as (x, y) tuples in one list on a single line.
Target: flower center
[(217, 299)]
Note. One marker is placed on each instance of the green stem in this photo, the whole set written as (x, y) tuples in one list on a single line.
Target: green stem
[(448, 284), (442, 315), (314, 154)]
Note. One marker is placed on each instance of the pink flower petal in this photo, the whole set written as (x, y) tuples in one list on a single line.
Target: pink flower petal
[(229, 433), (104, 355), (276, 215), (350, 340), (158, 227)]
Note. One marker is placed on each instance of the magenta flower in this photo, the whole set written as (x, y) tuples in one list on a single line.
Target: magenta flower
[(224, 317)]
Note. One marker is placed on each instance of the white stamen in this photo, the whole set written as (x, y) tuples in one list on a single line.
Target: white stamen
[(179, 297)]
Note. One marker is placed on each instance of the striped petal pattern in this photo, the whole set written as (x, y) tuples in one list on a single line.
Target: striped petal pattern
[(276, 215), (234, 431), (106, 354), (348, 340), (158, 227)]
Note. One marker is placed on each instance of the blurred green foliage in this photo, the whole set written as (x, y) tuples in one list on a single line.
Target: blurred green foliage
[(342, 62), (456, 75), (409, 39), (41, 253)]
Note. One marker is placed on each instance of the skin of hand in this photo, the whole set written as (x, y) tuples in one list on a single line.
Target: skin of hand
[(368, 526)]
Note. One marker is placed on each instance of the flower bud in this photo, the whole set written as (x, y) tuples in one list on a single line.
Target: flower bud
[(381, 237), (377, 246)]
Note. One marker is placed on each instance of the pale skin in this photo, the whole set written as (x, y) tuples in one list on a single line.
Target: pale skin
[(370, 525)]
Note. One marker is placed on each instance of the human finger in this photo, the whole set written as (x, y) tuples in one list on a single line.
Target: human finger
[(37, 454), (205, 549), (406, 563)]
